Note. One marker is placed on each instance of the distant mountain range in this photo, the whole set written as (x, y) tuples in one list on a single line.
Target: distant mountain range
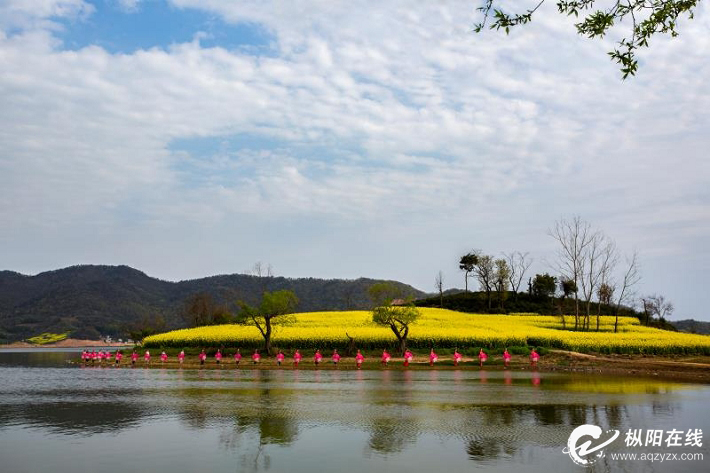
[(692, 326), (90, 301)]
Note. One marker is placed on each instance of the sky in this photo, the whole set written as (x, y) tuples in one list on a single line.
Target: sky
[(331, 139)]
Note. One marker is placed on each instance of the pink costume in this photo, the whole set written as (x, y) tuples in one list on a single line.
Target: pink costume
[(534, 356), (280, 357), (134, 357), (433, 358), (256, 357), (457, 357), (336, 358), (147, 356), (163, 357), (482, 356), (237, 357), (386, 357), (218, 356), (108, 356), (119, 357), (297, 358), (506, 356), (408, 357), (359, 359), (181, 356), (202, 357), (317, 358)]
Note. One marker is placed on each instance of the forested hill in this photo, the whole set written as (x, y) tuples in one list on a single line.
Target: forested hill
[(105, 300)]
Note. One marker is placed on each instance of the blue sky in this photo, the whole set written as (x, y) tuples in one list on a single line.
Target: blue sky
[(343, 139)]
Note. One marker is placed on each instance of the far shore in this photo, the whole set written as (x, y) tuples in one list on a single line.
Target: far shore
[(69, 343)]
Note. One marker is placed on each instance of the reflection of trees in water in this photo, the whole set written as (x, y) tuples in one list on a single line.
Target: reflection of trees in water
[(249, 427), (77, 417), (388, 435), (503, 431)]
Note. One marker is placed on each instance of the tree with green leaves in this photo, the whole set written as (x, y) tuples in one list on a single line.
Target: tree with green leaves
[(646, 18), (468, 263), (397, 317), (544, 285), (274, 309)]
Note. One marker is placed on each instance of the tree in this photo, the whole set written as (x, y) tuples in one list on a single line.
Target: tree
[(544, 285), (501, 278), (647, 18), (439, 284), (396, 317), (574, 237), (604, 294), (274, 309), (631, 278), (467, 263), (658, 305), (485, 273), (198, 309), (598, 259), (518, 264)]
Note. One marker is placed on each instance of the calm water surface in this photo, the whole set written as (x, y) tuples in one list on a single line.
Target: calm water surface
[(62, 418)]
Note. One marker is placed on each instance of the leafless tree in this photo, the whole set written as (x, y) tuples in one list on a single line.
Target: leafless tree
[(626, 293), (439, 284), (574, 237), (658, 305), (262, 270), (598, 260), (518, 265)]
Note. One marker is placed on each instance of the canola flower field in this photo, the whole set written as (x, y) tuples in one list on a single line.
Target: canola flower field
[(442, 328)]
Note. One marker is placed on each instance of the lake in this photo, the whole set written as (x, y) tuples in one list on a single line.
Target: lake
[(58, 417)]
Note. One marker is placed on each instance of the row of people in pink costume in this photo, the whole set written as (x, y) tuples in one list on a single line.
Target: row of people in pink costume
[(92, 356)]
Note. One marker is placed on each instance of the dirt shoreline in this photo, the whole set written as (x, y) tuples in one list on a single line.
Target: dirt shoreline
[(693, 369)]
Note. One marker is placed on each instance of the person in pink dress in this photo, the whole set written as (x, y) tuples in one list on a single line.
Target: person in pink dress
[(181, 356), (385, 357), (202, 356), (256, 357), (218, 356), (408, 357), (280, 357), (534, 358), (506, 358), (433, 357), (146, 357), (297, 357), (359, 359), (163, 357), (134, 357), (83, 356), (482, 357), (317, 358), (118, 357), (458, 357), (101, 357), (94, 356), (336, 357), (237, 357), (108, 356)]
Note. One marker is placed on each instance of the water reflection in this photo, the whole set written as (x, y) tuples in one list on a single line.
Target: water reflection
[(259, 417)]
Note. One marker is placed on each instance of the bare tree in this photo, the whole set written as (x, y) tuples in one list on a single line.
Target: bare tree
[(631, 278), (597, 261), (574, 237), (262, 270), (658, 305), (439, 284), (518, 265)]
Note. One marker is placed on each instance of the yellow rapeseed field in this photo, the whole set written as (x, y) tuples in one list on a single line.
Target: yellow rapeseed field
[(444, 329)]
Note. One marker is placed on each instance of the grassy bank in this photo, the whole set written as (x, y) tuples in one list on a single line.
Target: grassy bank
[(443, 329)]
